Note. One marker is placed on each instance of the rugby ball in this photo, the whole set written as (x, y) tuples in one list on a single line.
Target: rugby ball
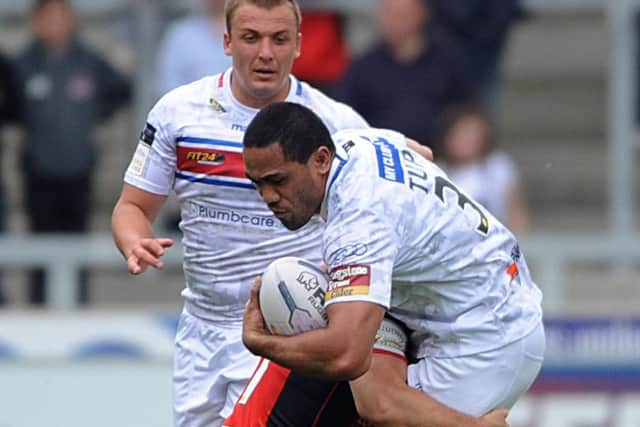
[(292, 296)]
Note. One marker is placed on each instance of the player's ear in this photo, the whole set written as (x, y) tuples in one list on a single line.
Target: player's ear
[(322, 158), (226, 43)]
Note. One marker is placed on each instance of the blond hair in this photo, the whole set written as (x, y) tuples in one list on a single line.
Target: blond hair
[(230, 7)]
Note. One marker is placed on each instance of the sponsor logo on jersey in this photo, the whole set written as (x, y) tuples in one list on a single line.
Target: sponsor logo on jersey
[(222, 216), (205, 157), (148, 134), (348, 251), (210, 162), (217, 106), (348, 280), (238, 127), (389, 166), (390, 338)]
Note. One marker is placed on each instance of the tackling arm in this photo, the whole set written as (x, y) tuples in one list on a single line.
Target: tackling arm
[(383, 398)]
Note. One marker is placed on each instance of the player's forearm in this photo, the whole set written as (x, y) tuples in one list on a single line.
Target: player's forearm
[(128, 225), (413, 408), (383, 398), (317, 353)]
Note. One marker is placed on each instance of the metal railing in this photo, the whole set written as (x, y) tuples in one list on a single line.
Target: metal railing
[(62, 256)]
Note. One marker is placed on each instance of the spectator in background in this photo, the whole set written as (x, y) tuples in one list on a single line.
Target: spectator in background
[(488, 175), (409, 78), (193, 48), (325, 55), (7, 114), (65, 91), (478, 30)]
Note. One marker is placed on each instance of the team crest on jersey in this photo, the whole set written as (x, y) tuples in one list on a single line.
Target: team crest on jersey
[(348, 280), (217, 106)]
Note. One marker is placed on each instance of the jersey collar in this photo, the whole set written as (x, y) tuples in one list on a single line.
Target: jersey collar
[(295, 92)]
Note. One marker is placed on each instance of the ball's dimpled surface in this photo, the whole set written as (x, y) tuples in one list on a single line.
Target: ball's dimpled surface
[(292, 296)]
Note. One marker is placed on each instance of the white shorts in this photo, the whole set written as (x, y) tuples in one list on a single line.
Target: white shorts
[(211, 368), (478, 383)]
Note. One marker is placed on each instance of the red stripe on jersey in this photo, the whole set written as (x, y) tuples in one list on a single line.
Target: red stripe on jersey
[(221, 79), (324, 405), (258, 406), (211, 162), (390, 353)]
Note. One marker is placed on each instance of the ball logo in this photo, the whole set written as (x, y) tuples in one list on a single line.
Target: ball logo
[(292, 296), (298, 317), (308, 280)]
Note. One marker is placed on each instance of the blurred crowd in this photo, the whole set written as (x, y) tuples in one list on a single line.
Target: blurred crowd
[(434, 73)]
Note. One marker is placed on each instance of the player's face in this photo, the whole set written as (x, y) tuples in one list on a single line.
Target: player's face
[(263, 44), (293, 191)]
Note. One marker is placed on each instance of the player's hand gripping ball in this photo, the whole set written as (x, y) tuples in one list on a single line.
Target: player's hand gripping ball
[(292, 296)]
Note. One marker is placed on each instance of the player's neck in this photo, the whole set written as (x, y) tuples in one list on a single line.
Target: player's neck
[(244, 97)]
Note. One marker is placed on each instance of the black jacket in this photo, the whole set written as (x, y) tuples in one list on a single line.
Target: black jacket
[(63, 97)]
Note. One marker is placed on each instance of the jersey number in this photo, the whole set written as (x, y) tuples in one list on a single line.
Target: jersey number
[(463, 201)]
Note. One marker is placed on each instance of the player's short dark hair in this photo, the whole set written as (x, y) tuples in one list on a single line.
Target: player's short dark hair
[(230, 7), (297, 129)]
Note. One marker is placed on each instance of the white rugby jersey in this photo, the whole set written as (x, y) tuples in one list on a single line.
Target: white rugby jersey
[(193, 143), (400, 235)]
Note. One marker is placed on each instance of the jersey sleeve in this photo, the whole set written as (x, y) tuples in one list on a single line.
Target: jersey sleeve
[(336, 115), (391, 339), (348, 118), (153, 165), (363, 234)]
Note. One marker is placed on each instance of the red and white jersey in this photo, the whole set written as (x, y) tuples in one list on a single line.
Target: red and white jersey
[(401, 235), (192, 143)]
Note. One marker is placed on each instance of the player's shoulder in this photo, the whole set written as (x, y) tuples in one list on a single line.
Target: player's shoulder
[(362, 140), (362, 151), (193, 93), (335, 114)]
